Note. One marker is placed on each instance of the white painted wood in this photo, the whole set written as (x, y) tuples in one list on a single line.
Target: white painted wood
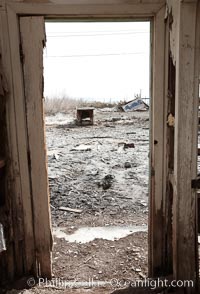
[(156, 246), (185, 169), (33, 39)]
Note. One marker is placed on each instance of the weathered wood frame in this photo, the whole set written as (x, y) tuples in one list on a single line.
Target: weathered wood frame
[(187, 59), (153, 10)]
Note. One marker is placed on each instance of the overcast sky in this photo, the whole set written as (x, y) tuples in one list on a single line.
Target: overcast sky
[(97, 61)]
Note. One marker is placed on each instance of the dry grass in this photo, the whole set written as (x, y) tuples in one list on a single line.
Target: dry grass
[(99, 104), (64, 104)]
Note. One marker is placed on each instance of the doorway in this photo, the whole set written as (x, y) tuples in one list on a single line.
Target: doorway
[(30, 124), (98, 174)]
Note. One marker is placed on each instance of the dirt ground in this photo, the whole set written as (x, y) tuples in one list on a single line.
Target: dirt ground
[(93, 171), (81, 157)]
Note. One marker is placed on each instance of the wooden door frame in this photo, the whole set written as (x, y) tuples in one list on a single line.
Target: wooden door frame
[(153, 10)]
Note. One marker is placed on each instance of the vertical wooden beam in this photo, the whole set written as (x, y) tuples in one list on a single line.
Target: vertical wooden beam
[(196, 130), (168, 153), (33, 39), (21, 236), (185, 163), (156, 232), (6, 257)]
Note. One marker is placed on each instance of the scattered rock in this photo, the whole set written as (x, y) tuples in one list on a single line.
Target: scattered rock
[(56, 156), (82, 147), (127, 164), (129, 145), (107, 181)]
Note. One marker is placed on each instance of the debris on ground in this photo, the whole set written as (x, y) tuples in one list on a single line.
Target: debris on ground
[(81, 148), (129, 145), (127, 164), (121, 200), (85, 115), (107, 181), (126, 145), (70, 209), (135, 105)]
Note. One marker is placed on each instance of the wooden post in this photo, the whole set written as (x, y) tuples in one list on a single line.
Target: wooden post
[(33, 40), (156, 213), (20, 238), (168, 153), (185, 162)]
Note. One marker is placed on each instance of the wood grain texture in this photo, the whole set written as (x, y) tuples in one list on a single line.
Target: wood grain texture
[(22, 205), (185, 164), (33, 39), (156, 232), (17, 257), (168, 154), (78, 9), (4, 154), (95, 2)]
